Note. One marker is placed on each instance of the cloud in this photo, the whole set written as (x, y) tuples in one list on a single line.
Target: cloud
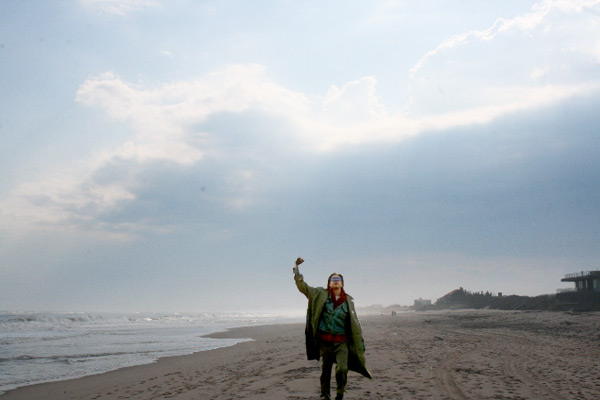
[(161, 117), (545, 17), (355, 101), (228, 132), (555, 45), (231, 131), (175, 127), (166, 53), (121, 7)]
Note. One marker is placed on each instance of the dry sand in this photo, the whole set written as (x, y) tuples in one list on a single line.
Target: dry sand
[(434, 355)]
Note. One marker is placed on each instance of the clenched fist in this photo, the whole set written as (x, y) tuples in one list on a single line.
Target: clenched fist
[(299, 261)]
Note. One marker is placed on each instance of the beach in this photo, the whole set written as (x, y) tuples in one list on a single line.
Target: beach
[(463, 354)]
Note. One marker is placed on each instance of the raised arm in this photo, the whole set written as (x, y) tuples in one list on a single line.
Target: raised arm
[(302, 286), (299, 261)]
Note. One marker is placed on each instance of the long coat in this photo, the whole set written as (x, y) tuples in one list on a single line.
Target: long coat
[(317, 297)]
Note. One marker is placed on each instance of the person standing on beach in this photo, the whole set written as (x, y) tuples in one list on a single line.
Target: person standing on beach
[(333, 332)]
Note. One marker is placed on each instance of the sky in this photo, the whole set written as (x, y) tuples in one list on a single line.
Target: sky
[(179, 155)]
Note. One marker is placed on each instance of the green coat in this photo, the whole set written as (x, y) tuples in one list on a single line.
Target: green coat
[(317, 297)]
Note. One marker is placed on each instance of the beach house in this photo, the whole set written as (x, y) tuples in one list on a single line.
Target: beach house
[(585, 281), (586, 293)]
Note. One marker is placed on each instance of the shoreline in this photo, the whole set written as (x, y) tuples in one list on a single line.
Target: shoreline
[(430, 355), (46, 390)]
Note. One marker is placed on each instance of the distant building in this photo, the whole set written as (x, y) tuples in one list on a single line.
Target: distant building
[(422, 304), (585, 281), (585, 296)]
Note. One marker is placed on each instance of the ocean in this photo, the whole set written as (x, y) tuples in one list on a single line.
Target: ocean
[(44, 347)]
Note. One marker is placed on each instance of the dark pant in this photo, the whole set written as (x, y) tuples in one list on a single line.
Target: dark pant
[(334, 353)]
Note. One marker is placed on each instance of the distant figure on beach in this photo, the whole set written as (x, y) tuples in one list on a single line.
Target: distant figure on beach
[(333, 332)]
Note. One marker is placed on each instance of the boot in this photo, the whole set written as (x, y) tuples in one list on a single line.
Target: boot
[(339, 397)]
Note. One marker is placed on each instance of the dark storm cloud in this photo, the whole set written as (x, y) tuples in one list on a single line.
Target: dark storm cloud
[(526, 184)]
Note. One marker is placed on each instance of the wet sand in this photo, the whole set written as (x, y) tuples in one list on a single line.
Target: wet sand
[(433, 355)]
